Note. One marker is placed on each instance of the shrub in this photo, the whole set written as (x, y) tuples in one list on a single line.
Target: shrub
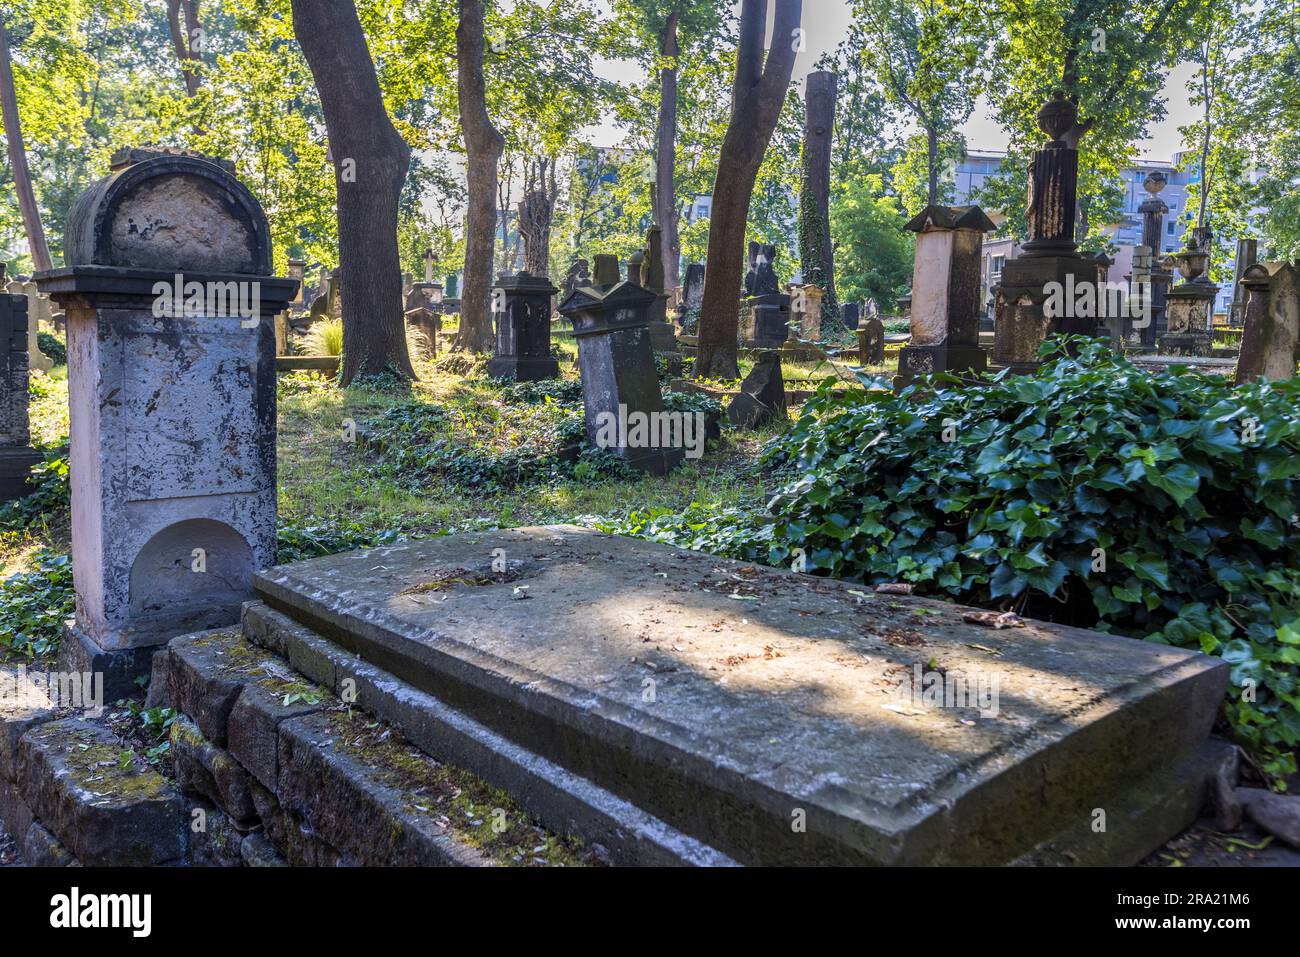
[(53, 347), (1155, 505)]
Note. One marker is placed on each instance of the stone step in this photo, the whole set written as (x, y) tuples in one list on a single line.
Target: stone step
[(559, 799), (267, 755), (106, 810), (773, 715)]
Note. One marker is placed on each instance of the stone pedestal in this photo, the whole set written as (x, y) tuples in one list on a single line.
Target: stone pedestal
[(524, 329), (1270, 342), (1189, 306), (619, 381), (171, 354), (946, 292), (1022, 322), (16, 453), (765, 321)]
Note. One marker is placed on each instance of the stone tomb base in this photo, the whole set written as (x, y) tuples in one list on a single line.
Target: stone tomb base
[(649, 694)]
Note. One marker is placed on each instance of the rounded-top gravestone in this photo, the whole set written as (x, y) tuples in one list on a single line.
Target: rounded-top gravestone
[(171, 368)]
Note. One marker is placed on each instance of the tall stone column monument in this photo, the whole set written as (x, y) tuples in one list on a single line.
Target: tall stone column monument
[(1157, 277), (1050, 254), (171, 365)]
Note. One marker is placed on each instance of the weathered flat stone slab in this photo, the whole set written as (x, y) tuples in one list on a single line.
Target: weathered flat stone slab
[(768, 713)]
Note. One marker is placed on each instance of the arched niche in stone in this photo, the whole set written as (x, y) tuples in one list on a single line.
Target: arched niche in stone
[(200, 565)]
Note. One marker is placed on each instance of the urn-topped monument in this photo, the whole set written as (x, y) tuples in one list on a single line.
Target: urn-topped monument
[(171, 366), (1050, 257)]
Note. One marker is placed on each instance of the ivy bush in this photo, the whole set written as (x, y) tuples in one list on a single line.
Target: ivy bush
[(533, 434), (1155, 505), (34, 605)]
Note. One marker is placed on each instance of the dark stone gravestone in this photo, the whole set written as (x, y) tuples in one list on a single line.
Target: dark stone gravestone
[(619, 381), (693, 294), (523, 306), (1247, 256), (171, 366), (762, 394), (765, 314), (663, 337), (16, 453), (1270, 341), (946, 292), (871, 342), (850, 315)]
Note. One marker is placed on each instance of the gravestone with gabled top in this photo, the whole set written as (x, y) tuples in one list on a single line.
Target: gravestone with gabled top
[(171, 367), (616, 361), (946, 292)]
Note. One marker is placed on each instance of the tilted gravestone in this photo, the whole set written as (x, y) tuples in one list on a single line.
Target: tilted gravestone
[(16, 453), (946, 292), (523, 304), (171, 352), (1270, 341), (762, 394), (620, 387), (871, 342)]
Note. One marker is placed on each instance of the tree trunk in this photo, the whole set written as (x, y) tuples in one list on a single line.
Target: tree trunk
[(183, 40), (40, 250), (932, 163), (665, 154), (536, 210), (757, 98), (483, 147), (370, 166), (815, 253)]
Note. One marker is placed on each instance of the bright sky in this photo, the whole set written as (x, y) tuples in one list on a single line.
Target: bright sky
[(826, 23)]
